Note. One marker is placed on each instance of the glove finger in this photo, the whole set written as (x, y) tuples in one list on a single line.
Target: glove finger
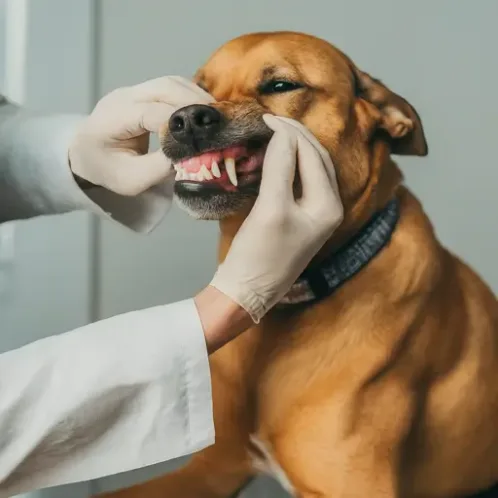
[(173, 90), (318, 146), (279, 165), (320, 196), (139, 173), (312, 171), (151, 117), (133, 120)]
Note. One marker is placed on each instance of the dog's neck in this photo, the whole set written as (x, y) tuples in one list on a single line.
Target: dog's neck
[(326, 275)]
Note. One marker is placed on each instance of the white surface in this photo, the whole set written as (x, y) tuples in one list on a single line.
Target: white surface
[(105, 410)]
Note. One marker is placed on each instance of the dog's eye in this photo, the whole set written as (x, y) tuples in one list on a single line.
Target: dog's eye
[(278, 86)]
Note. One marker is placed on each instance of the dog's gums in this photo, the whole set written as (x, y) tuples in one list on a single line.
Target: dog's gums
[(224, 168), (218, 183)]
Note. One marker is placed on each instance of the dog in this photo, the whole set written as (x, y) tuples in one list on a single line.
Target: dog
[(376, 376)]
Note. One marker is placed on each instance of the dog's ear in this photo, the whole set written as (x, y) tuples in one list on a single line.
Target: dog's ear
[(394, 115)]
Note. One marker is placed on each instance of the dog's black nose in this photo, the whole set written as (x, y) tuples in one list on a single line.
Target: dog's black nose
[(195, 123)]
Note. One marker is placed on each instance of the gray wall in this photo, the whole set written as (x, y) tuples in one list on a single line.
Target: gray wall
[(440, 55), (2, 42), (50, 279)]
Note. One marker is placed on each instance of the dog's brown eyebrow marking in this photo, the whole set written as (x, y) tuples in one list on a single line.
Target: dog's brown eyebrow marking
[(268, 72), (275, 72)]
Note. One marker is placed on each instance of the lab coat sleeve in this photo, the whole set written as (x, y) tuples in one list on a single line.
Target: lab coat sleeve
[(120, 394), (35, 178)]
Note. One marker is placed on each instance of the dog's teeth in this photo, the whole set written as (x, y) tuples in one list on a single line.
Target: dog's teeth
[(178, 175), (215, 169), (192, 176), (204, 173), (230, 167)]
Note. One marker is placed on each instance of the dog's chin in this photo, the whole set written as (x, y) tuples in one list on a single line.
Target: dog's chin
[(212, 205)]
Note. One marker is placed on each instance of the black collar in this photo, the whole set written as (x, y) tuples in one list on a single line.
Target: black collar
[(320, 282)]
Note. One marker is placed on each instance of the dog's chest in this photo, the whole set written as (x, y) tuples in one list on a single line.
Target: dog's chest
[(265, 463)]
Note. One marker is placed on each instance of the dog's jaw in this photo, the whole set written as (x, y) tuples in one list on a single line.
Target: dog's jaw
[(214, 206), (219, 183)]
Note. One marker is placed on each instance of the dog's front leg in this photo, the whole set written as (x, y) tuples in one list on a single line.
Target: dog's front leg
[(359, 476), (332, 452)]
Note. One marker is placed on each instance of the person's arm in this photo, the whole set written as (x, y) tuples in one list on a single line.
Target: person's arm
[(134, 390), (35, 178), (110, 173), (120, 394), (221, 317)]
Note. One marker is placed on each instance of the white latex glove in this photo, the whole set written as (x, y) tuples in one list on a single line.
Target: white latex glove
[(111, 148), (282, 234)]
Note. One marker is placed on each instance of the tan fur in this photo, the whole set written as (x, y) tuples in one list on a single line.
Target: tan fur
[(388, 388)]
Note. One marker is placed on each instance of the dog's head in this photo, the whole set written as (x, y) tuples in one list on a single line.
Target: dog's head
[(218, 150)]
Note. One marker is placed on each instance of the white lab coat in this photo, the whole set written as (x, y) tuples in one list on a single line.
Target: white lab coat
[(120, 394)]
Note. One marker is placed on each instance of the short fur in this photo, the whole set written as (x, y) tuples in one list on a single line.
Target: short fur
[(389, 387)]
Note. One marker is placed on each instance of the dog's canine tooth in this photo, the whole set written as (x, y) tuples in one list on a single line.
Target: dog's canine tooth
[(230, 167), (205, 173), (215, 169)]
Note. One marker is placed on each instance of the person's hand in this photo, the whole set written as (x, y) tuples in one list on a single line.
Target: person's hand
[(111, 148), (282, 234)]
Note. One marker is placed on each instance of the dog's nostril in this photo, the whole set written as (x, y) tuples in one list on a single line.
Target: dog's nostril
[(177, 123)]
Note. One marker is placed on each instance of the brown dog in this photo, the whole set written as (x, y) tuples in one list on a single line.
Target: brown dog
[(386, 385)]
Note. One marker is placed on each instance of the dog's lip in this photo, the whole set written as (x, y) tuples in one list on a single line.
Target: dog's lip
[(226, 168), (193, 164)]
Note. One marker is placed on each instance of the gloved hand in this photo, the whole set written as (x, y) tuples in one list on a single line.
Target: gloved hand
[(111, 148), (282, 234)]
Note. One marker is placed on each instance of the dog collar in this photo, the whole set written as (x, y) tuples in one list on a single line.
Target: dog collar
[(317, 283)]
